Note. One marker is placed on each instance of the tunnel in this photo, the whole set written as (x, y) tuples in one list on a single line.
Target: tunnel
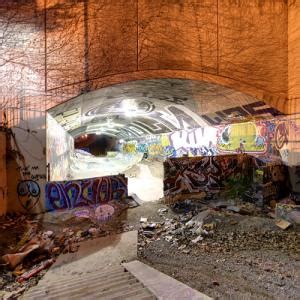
[(133, 127)]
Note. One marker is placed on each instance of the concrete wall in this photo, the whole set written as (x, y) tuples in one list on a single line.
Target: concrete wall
[(65, 47), (26, 163), (60, 148), (242, 44), (3, 175), (294, 56)]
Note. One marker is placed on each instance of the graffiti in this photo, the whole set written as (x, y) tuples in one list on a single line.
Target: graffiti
[(26, 172), (156, 150), (139, 106), (241, 137), (149, 119), (131, 148), (104, 212), (253, 109), (28, 193), (195, 142), (261, 137), (205, 174), (281, 135), (101, 213), (70, 194)]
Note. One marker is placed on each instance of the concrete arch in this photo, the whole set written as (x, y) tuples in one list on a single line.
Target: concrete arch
[(64, 93)]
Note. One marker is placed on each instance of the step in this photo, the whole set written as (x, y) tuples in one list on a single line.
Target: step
[(73, 282), (120, 288), (147, 296), (162, 285), (98, 273), (127, 295), (81, 289)]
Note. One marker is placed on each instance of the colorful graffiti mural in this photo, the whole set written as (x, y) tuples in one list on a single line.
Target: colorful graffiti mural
[(261, 137), (242, 137), (70, 194), (206, 174), (193, 142)]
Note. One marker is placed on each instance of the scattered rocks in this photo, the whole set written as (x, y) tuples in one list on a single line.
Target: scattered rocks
[(162, 211), (143, 220), (197, 239)]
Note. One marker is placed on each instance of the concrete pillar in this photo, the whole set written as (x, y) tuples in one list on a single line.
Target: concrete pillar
[(3, 178), (294, 56)]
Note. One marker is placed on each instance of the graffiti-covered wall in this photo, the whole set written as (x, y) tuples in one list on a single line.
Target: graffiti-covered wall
[(208, 174), (26, 163), (262, 137), (93, 191), (193, 142), (60, 147)]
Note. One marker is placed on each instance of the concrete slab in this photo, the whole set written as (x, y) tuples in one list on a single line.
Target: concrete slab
[(161, 285), (95, 255)]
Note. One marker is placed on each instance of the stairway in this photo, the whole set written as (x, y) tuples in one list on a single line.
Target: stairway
[(114, 283)]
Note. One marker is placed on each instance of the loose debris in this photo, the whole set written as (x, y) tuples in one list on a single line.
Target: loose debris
[(283, 224), (37, 269), (214, 226), (30, 244), (226, 249)]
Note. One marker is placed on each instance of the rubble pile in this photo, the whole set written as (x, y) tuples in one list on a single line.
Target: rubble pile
[(220, 226), (34, 242)]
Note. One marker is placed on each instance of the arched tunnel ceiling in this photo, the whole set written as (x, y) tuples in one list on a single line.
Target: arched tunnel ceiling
[(130, 110)]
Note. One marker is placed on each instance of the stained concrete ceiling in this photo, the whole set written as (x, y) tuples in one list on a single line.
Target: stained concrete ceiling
[(130, 110)]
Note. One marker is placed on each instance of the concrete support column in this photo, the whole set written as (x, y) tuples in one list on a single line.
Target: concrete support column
[(294, 56), (3, 177), (294, 92)]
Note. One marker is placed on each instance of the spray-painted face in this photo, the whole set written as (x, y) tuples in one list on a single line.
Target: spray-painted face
[(28, 193)]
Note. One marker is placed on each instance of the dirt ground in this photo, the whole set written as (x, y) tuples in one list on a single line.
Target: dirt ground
[(246, 257), (239, 257)]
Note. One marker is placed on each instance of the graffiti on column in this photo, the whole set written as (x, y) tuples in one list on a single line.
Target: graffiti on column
[(28, 189), (281, 135), (70, 194), (28, 193)]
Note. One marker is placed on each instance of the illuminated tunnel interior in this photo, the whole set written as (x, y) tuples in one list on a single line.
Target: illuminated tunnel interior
[(131, 128)]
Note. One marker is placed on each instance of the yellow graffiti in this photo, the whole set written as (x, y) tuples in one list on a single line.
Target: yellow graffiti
[(129, 148), (164, 140), (242, 137), (156, 149)]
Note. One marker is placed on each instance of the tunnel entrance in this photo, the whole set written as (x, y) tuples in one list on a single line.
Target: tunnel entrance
[(132, 128)]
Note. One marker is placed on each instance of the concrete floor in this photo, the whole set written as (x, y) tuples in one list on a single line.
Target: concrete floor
[(95, 255)]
